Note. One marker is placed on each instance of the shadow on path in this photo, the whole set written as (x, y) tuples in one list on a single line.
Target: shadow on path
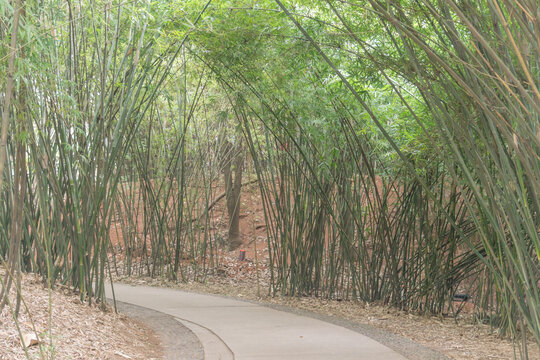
[(179, 342)]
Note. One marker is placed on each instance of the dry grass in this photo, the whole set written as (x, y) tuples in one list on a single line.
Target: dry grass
[(79, 331)]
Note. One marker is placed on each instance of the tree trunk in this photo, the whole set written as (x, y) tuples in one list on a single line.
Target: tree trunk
[(13, 272), (233, 158), (17, 8)]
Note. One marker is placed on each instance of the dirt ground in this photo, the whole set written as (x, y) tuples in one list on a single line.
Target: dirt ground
[(457, 338), (78, 331)]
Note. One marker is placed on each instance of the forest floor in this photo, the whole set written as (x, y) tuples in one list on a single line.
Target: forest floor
[(456, 337), (79, 331), (459, 338)]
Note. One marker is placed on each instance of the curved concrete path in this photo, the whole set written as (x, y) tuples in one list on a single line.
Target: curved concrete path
[(231, 329)]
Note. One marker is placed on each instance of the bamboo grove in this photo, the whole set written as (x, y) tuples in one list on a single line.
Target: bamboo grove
[(395, 144)]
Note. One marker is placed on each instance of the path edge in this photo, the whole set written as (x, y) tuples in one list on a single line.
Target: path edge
[(406, 347), (178, 341)]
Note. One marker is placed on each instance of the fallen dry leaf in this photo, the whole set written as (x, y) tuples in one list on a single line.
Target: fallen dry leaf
[(79, 331), (30, 339)]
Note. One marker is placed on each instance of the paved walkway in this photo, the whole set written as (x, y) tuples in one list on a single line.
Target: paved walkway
[(231, 329)]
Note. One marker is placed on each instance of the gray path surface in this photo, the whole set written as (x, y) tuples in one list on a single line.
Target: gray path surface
[(231, 329), (179, 342)]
